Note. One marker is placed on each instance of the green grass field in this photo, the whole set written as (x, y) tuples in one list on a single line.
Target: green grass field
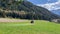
[(39, 27)]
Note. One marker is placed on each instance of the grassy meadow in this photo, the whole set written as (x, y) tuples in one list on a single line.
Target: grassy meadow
[(39, 27)]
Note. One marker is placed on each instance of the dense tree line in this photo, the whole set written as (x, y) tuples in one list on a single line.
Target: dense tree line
[(24, 10)]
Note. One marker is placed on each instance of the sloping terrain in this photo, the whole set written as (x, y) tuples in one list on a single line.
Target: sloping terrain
[(24, 10)]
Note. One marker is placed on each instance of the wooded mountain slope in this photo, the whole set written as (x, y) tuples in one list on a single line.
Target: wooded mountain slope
[(24, 10)]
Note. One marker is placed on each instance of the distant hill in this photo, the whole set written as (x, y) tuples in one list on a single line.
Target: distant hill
[(24, 10), (56, 11)]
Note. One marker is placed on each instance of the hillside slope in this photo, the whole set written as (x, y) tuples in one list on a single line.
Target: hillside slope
[(24, 10)]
